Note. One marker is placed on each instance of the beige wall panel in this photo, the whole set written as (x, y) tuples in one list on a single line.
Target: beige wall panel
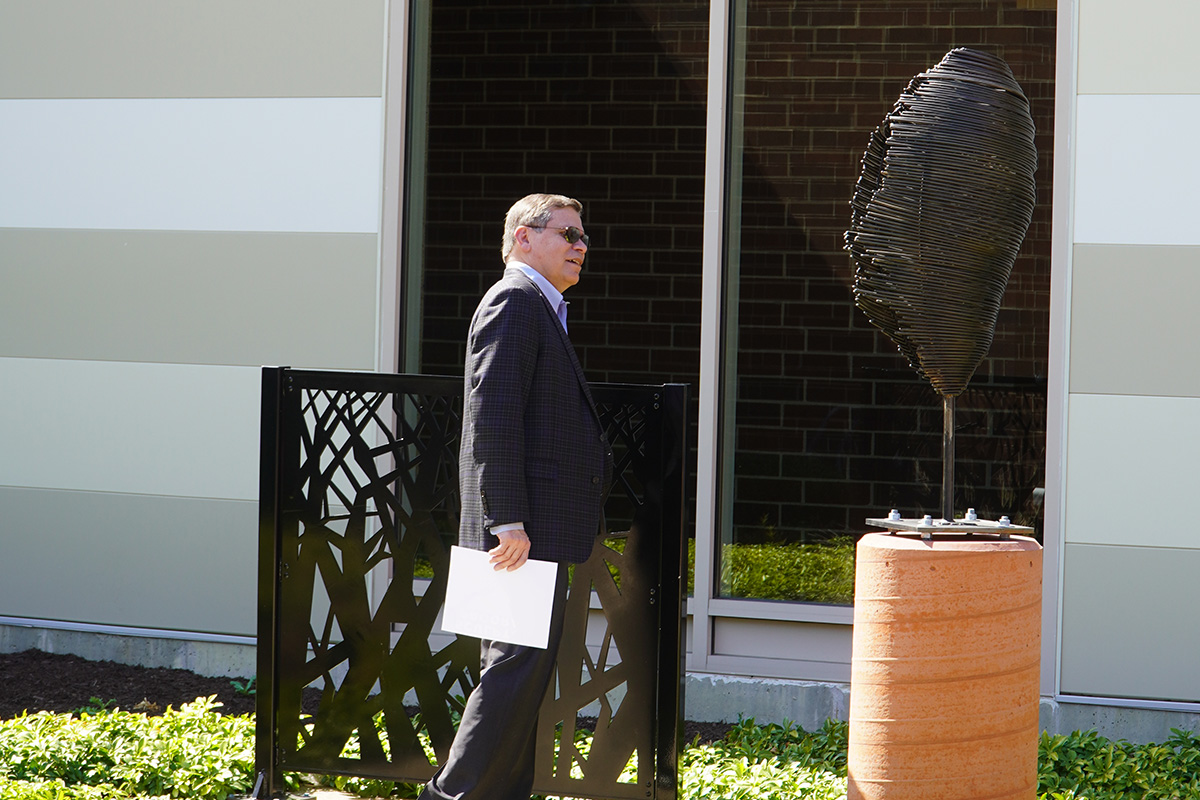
[(248, 299), (1144, 48), (1131, 470), (783, 640), (1129, 627), (1133, 312), (133, 560), (191, 48)]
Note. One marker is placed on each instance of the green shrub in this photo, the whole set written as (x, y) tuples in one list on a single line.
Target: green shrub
[(824, 749), (708, 775), (766, 762), (197, 753), (1086, 765), (57, 790), (191, 752)]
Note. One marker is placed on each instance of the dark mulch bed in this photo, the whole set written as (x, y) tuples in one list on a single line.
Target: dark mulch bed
[(35, 681)]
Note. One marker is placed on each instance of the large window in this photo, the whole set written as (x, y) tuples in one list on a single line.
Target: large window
[(599, 101), (824, 424)]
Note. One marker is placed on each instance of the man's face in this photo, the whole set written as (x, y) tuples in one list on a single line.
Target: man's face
[(548, 251)]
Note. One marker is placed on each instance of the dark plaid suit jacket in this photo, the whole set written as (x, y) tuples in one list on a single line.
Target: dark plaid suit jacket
[(533, 450)]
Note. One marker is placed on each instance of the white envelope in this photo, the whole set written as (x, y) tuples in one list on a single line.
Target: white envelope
[(503, 606)]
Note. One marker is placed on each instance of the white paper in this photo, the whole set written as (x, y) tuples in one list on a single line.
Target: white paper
[(500, 605)]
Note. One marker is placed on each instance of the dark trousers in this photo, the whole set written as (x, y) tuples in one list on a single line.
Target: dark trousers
[(492, 755)]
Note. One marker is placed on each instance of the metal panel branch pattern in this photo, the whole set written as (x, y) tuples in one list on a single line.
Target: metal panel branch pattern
[(360, 484)]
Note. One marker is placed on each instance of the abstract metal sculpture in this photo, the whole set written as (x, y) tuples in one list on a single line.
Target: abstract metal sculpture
[(944, 200)]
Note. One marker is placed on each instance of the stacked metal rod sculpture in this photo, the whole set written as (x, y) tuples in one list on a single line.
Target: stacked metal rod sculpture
[(940, 210)]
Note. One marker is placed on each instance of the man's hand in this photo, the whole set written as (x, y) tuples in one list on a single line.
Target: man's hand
[(513, 550)]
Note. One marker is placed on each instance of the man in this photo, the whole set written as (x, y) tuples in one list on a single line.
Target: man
[(534, 468)]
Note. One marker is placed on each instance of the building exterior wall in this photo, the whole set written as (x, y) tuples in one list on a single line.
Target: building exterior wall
[(190, 190), (184, 199), (1131, 399)]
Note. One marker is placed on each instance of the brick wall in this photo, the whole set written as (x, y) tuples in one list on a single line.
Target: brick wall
[(605, 101), (833, 426)]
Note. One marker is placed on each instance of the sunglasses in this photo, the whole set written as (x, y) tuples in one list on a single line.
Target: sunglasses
[(571, 234)]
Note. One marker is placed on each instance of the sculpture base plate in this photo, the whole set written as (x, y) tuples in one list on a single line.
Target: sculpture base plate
[(958, 526)]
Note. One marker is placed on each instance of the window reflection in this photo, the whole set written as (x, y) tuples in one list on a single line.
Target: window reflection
[(604, 102), (824, 423)]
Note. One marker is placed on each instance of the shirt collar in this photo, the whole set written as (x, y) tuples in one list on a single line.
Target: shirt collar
[(553, 295)]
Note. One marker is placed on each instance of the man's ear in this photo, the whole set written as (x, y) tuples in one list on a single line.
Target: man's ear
[(521, 237)]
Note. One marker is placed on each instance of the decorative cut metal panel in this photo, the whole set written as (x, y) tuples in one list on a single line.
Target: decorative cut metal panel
[(360, 485)]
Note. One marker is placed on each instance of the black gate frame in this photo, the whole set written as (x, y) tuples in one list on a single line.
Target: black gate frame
[(358, 469)]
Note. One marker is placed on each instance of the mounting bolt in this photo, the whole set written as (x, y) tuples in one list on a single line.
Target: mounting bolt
[(927, 519), (894, 515), (1005, 522), (971, 515)]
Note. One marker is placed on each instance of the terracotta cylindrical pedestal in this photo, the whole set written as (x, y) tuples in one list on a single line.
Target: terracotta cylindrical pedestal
[(944, 678)]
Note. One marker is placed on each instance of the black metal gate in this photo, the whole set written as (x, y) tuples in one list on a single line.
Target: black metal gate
[(358, 509)]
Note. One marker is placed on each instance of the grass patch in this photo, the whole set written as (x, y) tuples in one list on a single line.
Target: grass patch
[(194, 752), (814, 573)]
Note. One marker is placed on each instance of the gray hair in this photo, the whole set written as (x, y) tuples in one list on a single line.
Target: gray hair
[(533, 211)]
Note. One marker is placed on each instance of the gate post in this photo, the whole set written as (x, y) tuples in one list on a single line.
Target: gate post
[(268, 557), (672, 670)]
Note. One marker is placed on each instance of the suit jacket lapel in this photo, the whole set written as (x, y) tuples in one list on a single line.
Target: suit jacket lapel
[(566, 340)]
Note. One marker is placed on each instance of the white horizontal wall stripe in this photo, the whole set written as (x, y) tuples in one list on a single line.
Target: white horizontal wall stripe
[(229, 164), (105, 426), (1132, 470), (1135, 174)]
